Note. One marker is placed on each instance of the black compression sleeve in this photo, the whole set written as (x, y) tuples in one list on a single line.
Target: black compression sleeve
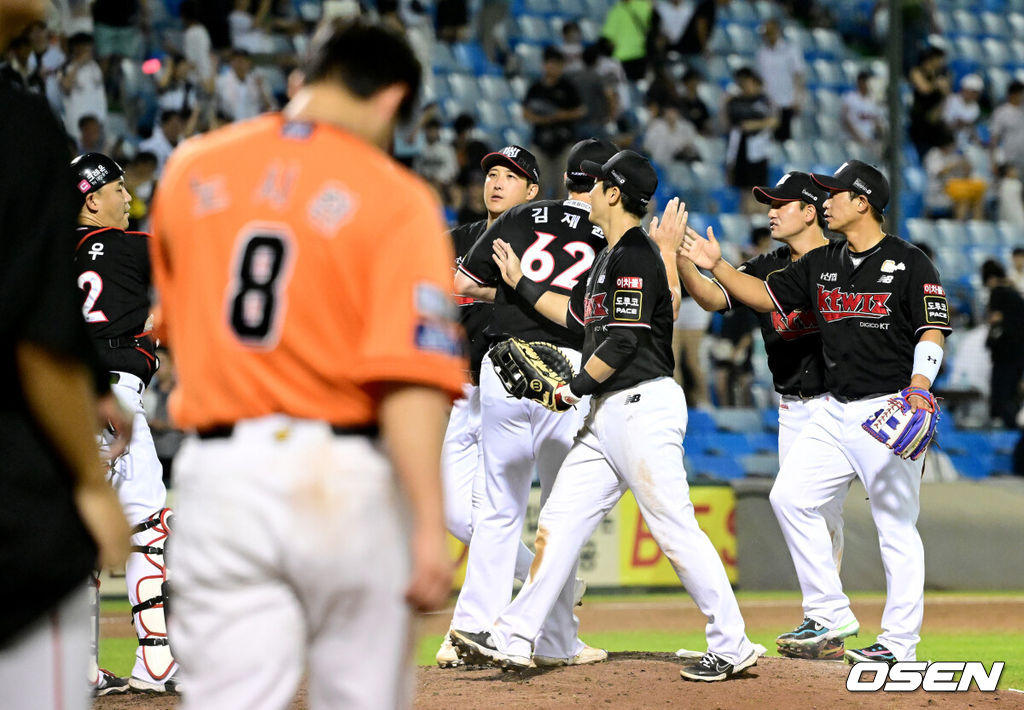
[(619, 347), (583, 384), (530, 290)]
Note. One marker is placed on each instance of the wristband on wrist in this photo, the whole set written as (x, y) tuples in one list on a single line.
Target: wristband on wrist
[(530, 290), (927, 359), (583, 384)]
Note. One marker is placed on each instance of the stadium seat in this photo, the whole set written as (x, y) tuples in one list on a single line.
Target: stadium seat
[(465, 89), (590, 29), (735, 228), (919, 230), (770, 419), (763, 464), (827, 43), (763, 442), (471, 56), (529, 57), (737, 420), (994, 24), (443, 59), (699, 420), (531, 29), (716, 467), (495, 88), (982, 233), (965, 23), (974, 465), (995, 52)]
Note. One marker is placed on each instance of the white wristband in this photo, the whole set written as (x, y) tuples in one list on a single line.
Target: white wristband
[(927, 359)]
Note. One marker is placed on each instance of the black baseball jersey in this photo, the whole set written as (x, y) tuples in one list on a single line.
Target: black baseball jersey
[(628, 288), (871, 308), (113, 271), (792, 341), (473, 315), (556, 244)]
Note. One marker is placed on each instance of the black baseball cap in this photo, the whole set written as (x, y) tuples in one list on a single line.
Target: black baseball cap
[(861, 178), (596, 150), (793, 186), (94, 170), (631, 172), (516, 157)]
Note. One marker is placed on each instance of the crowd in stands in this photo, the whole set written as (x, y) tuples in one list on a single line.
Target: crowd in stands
[(703, 97)]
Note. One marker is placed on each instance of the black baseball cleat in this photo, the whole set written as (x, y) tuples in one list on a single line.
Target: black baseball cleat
[(109, 684), (712, 667), (874, 652), (477, 649)]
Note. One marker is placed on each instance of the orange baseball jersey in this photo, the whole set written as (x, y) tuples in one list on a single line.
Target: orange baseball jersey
[(298, 266)]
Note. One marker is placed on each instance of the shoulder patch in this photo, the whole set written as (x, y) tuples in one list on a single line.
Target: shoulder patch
[(626, 305)]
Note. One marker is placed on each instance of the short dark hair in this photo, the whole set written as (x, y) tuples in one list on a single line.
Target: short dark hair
[(692, 74), (78, 39), (927, 249), (1018, 251), (629, 203), (759, 233), (876, 213), (168, 114), (88, 118), (365, 58), (144, 156), (992, 269), (819, 214), (579, 185), (1015, 87), (434, 122), (552, 53), (463, 122)]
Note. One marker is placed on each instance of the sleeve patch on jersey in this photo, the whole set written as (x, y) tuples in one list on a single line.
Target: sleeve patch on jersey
[(439, 338), (934, 290), (936, 310), (433, 302), (629, 282), (626, 305)]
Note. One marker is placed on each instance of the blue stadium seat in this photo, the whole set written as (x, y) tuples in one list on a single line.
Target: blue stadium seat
[(496, 88), (994, 25), (995, 52), (965, 23), (465, 89), (764, 464), (471, 56), (770, 418), (531, 29), (919, 230), (723, 444), (1010, 234), (718, 467), (828, 73), (735, 228), (827, 43), (443, 59), (492, 115), (529, 56), (982, 233), (763, 442), (590, 29), (737, 420), (699, 420), (975, 466), (1003, 441)]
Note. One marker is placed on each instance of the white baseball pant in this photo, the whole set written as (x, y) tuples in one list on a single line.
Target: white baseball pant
[(290, 556), (794, 414), (822, 462), (44, 667), (137, 476), (631, 439), (462, 473), (518, 435)]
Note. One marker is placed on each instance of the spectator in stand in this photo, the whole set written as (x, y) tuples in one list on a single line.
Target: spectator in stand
[(663, 90), (241, 92), (687, 336), (469, 149), (1010, 196), (436, 161), (197, 46), (1005, 342), (82, 84), (176, 90), (166, 438), (93, 137), (669, 23), (452, 20), (952, 191), (961, 111), (761, 242), (46, 62), (119, 27), (863, 118), (731, 350), (1016, 274), (19, 51), (572, 47), (553, 107), (599, 99), (626, 26), (1007, 129), (691, 105), (931, 83), (165, 138), (613, 75), (140, 181), (781, 66), (247, 28), (473, 207), (751, 121), (671, 138)]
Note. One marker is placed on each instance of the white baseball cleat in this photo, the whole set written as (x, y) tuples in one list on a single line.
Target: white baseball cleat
[(585, 657), (446, 656)]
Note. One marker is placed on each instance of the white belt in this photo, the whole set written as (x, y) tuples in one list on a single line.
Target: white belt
[(128, 380)]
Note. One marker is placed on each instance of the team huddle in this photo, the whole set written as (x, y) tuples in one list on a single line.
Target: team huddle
[(292, 512), (611, 417)]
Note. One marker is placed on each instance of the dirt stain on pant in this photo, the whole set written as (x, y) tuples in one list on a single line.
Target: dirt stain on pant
[(539, 544)]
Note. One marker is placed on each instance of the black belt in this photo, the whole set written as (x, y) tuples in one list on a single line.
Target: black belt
[(226, 430), (846, 400)]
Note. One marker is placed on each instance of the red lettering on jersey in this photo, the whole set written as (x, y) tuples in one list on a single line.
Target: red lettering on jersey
[(934, 290), (835, 304), (795, 325), (464, 300), (594, 309)]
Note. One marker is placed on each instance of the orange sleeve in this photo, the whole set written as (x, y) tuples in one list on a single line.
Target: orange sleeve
[(158, 257), (411, 333)]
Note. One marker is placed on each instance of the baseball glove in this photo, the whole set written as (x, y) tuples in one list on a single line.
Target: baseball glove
[(532, 371), (905, 430)]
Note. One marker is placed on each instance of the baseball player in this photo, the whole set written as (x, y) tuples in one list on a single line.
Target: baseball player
[(792, 342), (882, 314), (57, 509), (557, 244), (506, 184), (633, 434), (113, 274), (306, 312)]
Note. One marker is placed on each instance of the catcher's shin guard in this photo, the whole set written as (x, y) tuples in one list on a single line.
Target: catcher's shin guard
[(146, 576)]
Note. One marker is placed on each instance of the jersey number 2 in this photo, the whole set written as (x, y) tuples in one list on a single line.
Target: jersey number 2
[(256, 296), (538, 264), (92, 283)]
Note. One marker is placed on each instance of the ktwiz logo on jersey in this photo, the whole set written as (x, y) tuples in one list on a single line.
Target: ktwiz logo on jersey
[(594, 308), (835, 304), (796, 325)]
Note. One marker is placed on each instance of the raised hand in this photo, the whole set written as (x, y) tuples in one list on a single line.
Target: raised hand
[(668, 232), (705, 253), (507, 261)]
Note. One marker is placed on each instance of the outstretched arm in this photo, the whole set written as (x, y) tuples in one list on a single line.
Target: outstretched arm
[(668, 233), (707, 254), (553, 306)]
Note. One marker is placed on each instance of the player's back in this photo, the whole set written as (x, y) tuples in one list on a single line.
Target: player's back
[(288, 276)]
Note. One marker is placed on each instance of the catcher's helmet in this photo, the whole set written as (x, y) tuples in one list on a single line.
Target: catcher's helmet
[(93, 171)]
